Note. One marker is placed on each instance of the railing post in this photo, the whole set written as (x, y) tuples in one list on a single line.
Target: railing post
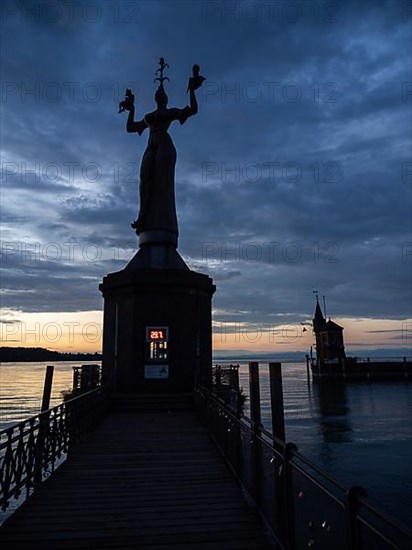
[(255, 414), (352, 508), (287, 496), (43, 425), (276, 400), (47, 388), (256, 418), (218, 375)]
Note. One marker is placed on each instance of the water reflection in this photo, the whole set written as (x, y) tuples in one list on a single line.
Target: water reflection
[(333, 419), (333, 411)]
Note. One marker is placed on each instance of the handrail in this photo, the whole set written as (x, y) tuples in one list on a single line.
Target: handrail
[(301, 505), (31, 450), (392, 359)]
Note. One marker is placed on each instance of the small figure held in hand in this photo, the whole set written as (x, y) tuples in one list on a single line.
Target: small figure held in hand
[(196, 80), (128, 101)]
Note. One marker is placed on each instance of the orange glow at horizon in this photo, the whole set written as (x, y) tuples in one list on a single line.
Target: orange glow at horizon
[(358, 334), (82, 332), (62, 331)]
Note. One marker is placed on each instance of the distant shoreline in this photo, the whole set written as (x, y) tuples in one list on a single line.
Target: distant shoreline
[(31, 355)]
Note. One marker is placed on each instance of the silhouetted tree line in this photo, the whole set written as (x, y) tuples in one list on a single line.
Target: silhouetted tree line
[(8, 354)]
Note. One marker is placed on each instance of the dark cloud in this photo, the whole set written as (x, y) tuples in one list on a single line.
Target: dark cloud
[(289, 179)]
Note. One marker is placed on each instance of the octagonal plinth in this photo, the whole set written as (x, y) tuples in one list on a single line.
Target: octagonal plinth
[(175, 302)]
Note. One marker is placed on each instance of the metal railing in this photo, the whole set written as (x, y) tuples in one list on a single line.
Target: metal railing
[(302, 506), (364, 360), (86, 378), (225, 383), (31, 450), (227, 376), (384, 359)]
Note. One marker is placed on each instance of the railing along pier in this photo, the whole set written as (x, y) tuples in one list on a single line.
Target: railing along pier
[(31, 450), (302, 506)]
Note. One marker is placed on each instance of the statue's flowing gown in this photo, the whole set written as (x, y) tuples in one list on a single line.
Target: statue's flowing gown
[(157, 172)]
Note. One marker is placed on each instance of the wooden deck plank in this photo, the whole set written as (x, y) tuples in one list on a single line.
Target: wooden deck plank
[(143, 480)]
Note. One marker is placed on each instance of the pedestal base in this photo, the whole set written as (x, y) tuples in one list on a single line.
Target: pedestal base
[(138, 298)]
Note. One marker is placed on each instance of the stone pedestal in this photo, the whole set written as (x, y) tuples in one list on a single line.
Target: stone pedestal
[(173, 301)]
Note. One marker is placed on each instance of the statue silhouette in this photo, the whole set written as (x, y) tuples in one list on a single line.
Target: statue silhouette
[(157, 171)]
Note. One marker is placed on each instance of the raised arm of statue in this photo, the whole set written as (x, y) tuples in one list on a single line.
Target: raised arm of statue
[(128, 105), (131, 125), (193, 103), (195, 82)]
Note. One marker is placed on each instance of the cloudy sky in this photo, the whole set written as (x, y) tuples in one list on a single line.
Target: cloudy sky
[(295, 175)]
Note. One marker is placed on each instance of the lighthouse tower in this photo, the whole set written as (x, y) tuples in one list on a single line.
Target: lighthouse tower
[(329, 337)]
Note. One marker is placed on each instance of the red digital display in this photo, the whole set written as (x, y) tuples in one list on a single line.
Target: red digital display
[(154, 334), (157, 335)]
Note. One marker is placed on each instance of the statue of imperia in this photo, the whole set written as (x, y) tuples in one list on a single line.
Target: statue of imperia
[(157, 171)]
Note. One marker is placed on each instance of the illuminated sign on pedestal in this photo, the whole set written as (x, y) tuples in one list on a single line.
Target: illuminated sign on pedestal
[(154, 334), (157, 351)]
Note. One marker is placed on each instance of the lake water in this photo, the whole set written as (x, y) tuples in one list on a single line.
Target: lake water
[(361, 433), (21, 388)]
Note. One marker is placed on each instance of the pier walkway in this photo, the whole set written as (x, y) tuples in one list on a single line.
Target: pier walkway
[(146, 471), (143, 479)]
